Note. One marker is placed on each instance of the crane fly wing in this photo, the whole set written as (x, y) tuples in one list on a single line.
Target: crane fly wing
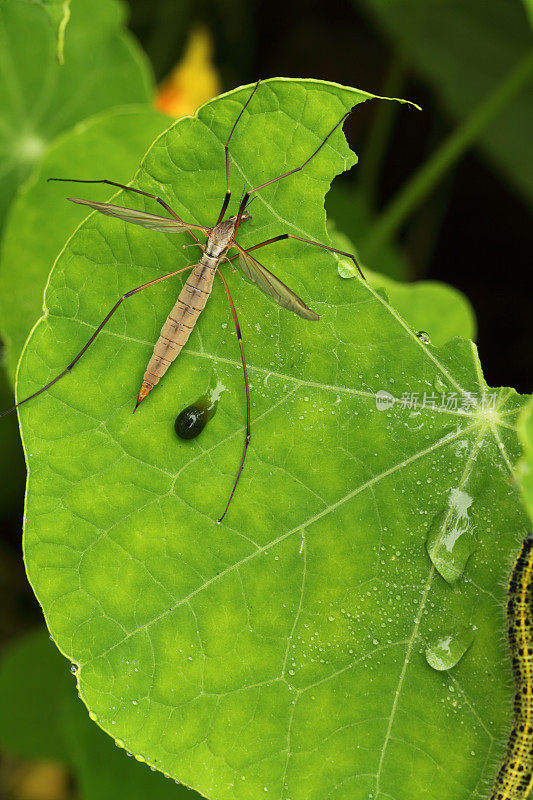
[(272, 286), (152, 221)]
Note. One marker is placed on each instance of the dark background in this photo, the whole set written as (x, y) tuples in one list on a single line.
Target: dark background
[(473, 232)]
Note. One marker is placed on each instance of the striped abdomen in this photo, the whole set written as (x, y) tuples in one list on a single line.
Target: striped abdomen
[(179, 323), (514, 780)]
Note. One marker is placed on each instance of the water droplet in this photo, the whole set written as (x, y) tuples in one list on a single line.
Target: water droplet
[(449, 542), (74, 668), (345, 268), (192, 420), (424, 337), (440, 385), (444, 652)]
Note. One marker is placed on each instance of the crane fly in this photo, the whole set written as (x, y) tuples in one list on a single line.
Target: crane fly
[(195, 292)]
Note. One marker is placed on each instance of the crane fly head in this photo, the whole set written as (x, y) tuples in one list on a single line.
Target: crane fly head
[(245, 217), (225, 230)]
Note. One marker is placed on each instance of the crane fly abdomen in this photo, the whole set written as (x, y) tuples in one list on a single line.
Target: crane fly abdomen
[(189, 305), (179, 323)]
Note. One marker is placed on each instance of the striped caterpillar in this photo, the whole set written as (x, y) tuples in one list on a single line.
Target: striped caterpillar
[(514, 780)]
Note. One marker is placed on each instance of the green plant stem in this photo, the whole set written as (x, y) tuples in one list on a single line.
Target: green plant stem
[(450, 151), (380, 130)]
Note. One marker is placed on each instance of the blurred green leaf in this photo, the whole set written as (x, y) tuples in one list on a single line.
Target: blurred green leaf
[(12, 467), (284, 650), (40, 220), (59, 14), (529, 8), (40, 98), (464, 50), (33, 679), (41, 717)]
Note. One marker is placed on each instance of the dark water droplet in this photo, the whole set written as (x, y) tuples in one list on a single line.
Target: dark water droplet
[(192, 420), (424, 337)]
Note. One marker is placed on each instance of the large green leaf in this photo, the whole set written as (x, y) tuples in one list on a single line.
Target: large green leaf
[(41, 717), (40, 220), (40, 98), (284, 651), (464, 50)]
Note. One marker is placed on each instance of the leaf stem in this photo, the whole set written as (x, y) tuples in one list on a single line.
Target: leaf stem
[(420, 185)]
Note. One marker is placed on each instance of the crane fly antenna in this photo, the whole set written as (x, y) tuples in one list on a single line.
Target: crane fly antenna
[(246, 197), (247, 388), (226, 149), (93, 337)]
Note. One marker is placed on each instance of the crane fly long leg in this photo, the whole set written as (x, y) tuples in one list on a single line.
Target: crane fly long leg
[(290, 172), (127, 189), (307, 241), (247, 388), (226, 149), (93, 337)]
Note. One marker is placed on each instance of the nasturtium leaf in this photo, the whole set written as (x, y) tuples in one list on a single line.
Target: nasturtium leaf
[(40, 219), (465, 51), (525, 467), (283, 652), (40, 98), (42, 717)]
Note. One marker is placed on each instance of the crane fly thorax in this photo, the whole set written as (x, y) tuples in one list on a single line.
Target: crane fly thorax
[(221, 238)]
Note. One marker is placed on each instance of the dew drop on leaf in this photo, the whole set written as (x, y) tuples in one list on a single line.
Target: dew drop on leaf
[(450, 541), (445, 651), (424, 337)]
